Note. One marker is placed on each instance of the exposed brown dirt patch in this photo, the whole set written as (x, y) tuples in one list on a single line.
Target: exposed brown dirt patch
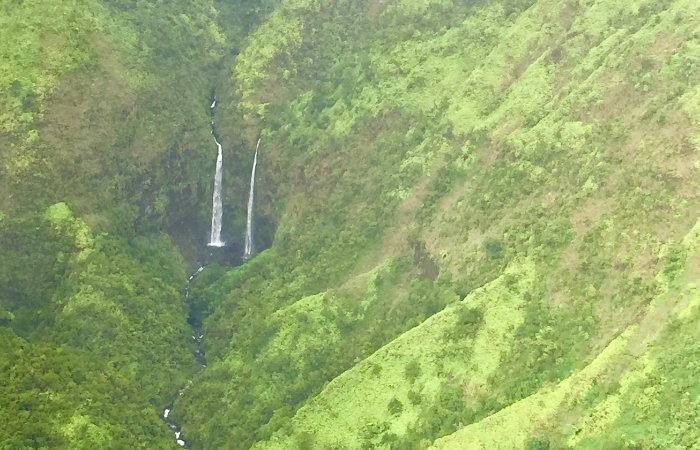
[(569, 257), (375, 8), (617, 101), (567, 15), (559, 298), (666, 42), (634, 142), (594, 208)]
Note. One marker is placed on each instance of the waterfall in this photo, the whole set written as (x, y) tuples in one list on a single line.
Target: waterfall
[(249, 250), (217, 207)]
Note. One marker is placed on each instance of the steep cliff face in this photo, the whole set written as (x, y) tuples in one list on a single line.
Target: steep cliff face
[(484, 218)]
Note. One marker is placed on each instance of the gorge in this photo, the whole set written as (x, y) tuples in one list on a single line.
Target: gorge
[(474, 224)]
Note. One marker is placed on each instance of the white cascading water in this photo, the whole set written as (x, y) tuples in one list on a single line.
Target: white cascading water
[(217, 207), (249, 250)]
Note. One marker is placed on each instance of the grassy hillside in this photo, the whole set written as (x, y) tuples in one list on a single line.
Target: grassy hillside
[(485, 221), (480, 206)]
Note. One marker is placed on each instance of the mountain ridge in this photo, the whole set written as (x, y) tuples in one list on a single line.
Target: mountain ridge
[(478, 224)]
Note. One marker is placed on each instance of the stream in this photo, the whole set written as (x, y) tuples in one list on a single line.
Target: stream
[(198, 353), (215, 241)]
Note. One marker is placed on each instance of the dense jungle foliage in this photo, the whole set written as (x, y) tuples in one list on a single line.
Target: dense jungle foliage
[(479, 221)]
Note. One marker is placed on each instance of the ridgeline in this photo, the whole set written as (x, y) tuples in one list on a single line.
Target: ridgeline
[(477, 224)]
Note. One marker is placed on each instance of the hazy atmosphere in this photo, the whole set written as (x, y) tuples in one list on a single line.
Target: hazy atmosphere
[(350, 224)]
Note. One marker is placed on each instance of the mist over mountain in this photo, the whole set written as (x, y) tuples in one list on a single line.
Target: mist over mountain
[(474, 224)]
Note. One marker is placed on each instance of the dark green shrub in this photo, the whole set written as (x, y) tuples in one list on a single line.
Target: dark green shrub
[(469, 316), (395, 407), (537, 444), (493, 248), (415, 398), (412, 371), (305, 440)]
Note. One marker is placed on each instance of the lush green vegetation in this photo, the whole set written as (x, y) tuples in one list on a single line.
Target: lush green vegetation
[(472, 136), (103, 342), (103, 148), (485, 221)]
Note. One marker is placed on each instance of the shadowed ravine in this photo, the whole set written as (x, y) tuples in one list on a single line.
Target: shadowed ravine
[(198, 353)]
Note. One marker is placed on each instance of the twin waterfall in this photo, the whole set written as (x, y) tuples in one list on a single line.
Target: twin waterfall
[(217, 207), (249, 248)]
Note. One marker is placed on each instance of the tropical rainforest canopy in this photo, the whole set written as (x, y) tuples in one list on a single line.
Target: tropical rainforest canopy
[(478, 224)]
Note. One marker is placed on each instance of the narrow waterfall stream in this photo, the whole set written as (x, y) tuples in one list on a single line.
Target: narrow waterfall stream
[(214, 241), (217, 206), (174, 427), (198, 355), (249, 247), (196, 329)]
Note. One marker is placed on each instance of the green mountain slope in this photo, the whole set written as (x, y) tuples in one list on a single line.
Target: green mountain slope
[(484, 217), (104, 129), (468, 142)]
